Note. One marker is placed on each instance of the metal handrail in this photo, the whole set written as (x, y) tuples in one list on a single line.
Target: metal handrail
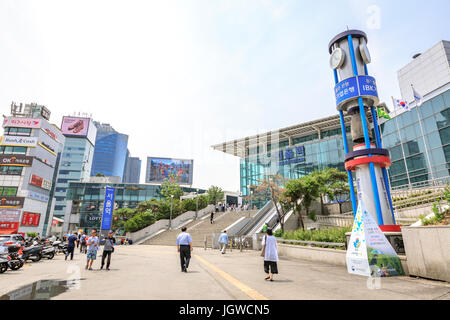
[(318, 243)]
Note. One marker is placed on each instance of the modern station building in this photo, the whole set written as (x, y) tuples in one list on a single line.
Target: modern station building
[(77, 157), (110, 153), (30, 153), (418, 140)]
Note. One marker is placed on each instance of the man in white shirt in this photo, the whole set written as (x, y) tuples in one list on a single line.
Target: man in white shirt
[(223, 241), (92, 248), (184, 246)]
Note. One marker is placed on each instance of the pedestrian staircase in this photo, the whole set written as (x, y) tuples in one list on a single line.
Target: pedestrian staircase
[(198, 229)]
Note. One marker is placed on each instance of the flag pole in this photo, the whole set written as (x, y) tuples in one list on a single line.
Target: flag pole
[(401, 144), (423, 136)]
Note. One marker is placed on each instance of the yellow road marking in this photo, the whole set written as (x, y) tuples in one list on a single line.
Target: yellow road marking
[(252, 293)]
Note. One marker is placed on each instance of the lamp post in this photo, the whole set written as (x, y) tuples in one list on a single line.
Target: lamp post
[(196, 206), (171, 207)]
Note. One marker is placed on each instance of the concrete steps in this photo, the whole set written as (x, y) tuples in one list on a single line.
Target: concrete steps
[(198, 229)]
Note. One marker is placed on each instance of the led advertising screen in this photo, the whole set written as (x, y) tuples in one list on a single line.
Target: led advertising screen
[(74, 126), (176, 170)]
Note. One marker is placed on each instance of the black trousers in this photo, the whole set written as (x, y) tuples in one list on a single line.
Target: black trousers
[(104, 255), (185, 256), (70, 251)]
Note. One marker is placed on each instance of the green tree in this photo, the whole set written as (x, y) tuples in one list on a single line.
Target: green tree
[(215, 194), (169, 188), (99, 174), (332, 183), (301, 193), (271, 188)]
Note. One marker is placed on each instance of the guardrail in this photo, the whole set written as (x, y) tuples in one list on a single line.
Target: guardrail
[(423, 184), (313, 243)]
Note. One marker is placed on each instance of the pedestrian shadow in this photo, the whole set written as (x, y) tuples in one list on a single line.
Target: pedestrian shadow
[(193, 272), (285, 280)]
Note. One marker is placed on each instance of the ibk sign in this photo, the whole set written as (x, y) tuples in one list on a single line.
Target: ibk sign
[(40, 182), (30, 219), (16, 160), (11, 202), (22, 123)]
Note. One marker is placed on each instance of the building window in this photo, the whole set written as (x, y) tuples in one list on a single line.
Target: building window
[(18, 131), (10, 170), (13, 150), (8, 191)]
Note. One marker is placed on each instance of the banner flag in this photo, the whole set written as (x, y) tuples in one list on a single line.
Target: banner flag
[(369, 252), (417, 97)]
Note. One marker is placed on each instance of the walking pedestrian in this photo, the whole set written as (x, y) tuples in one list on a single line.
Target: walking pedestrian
[(270, 254), (211, 219), (83, 243), (92, 247), (71, 240), (223, 241), (184, 246), (78, 239), (108, 249)]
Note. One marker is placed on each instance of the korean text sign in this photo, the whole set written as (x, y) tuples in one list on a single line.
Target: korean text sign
[(108, 209)]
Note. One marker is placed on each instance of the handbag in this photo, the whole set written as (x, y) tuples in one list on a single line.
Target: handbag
[(263, 251)]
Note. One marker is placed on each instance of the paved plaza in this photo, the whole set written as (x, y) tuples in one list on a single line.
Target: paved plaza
[(153, 272)]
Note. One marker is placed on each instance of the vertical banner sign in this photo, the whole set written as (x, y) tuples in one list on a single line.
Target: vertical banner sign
[(108, 208), (369, 252)]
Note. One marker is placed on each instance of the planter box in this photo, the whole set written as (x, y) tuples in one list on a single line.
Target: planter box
[(428, 251)]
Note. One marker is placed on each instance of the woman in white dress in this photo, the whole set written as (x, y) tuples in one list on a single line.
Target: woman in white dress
[(270, 250)]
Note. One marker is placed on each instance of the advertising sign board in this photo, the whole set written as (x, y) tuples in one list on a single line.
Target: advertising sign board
[(30, 219), (9, 215), (175, 170), (16, 160), (108, 209), (369, 252), (40, 182), (21, 123), (11, 202), (74, 126), (19, 141)]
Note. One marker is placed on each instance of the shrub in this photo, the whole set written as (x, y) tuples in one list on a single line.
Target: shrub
[(322, 235), (139, 221), (32, 234)]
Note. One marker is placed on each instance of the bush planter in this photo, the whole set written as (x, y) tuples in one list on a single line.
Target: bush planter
[(428, 251)]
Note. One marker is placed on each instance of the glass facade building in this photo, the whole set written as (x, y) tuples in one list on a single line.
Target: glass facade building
[(87, 199), (132, 172), (418, 157), (110, 153), (75, 165)]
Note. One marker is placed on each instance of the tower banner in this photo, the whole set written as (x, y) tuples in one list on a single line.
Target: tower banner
[(369, 252)]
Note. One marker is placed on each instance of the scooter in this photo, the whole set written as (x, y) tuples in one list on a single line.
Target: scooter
[(14, 260), (48, 252), (60, 247), (33, 253)]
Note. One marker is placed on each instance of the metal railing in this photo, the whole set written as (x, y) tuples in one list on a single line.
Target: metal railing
[(439, 182), (313, 243)]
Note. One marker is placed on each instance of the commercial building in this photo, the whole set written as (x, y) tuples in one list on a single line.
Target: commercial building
[(85, 200), (77, 157), (110, 152), (30, 153), (418, 140), (132, 172)]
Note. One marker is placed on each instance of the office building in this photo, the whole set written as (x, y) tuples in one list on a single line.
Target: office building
[(76, 159), (30, 152), (110, 152), (132, 172)]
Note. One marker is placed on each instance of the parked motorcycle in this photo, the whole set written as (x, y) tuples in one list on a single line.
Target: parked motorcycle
[(48, 252), (14, 260), (33, 253), (60, 247), (3, 264)]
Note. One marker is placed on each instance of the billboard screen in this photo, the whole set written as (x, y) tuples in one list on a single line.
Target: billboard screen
[(74, 126), (176, 170)]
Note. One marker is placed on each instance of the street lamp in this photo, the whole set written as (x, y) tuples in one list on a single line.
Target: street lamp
[(196, 207), (171, 207)]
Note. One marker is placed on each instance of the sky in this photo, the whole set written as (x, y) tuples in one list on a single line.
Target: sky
[(178, 76)]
